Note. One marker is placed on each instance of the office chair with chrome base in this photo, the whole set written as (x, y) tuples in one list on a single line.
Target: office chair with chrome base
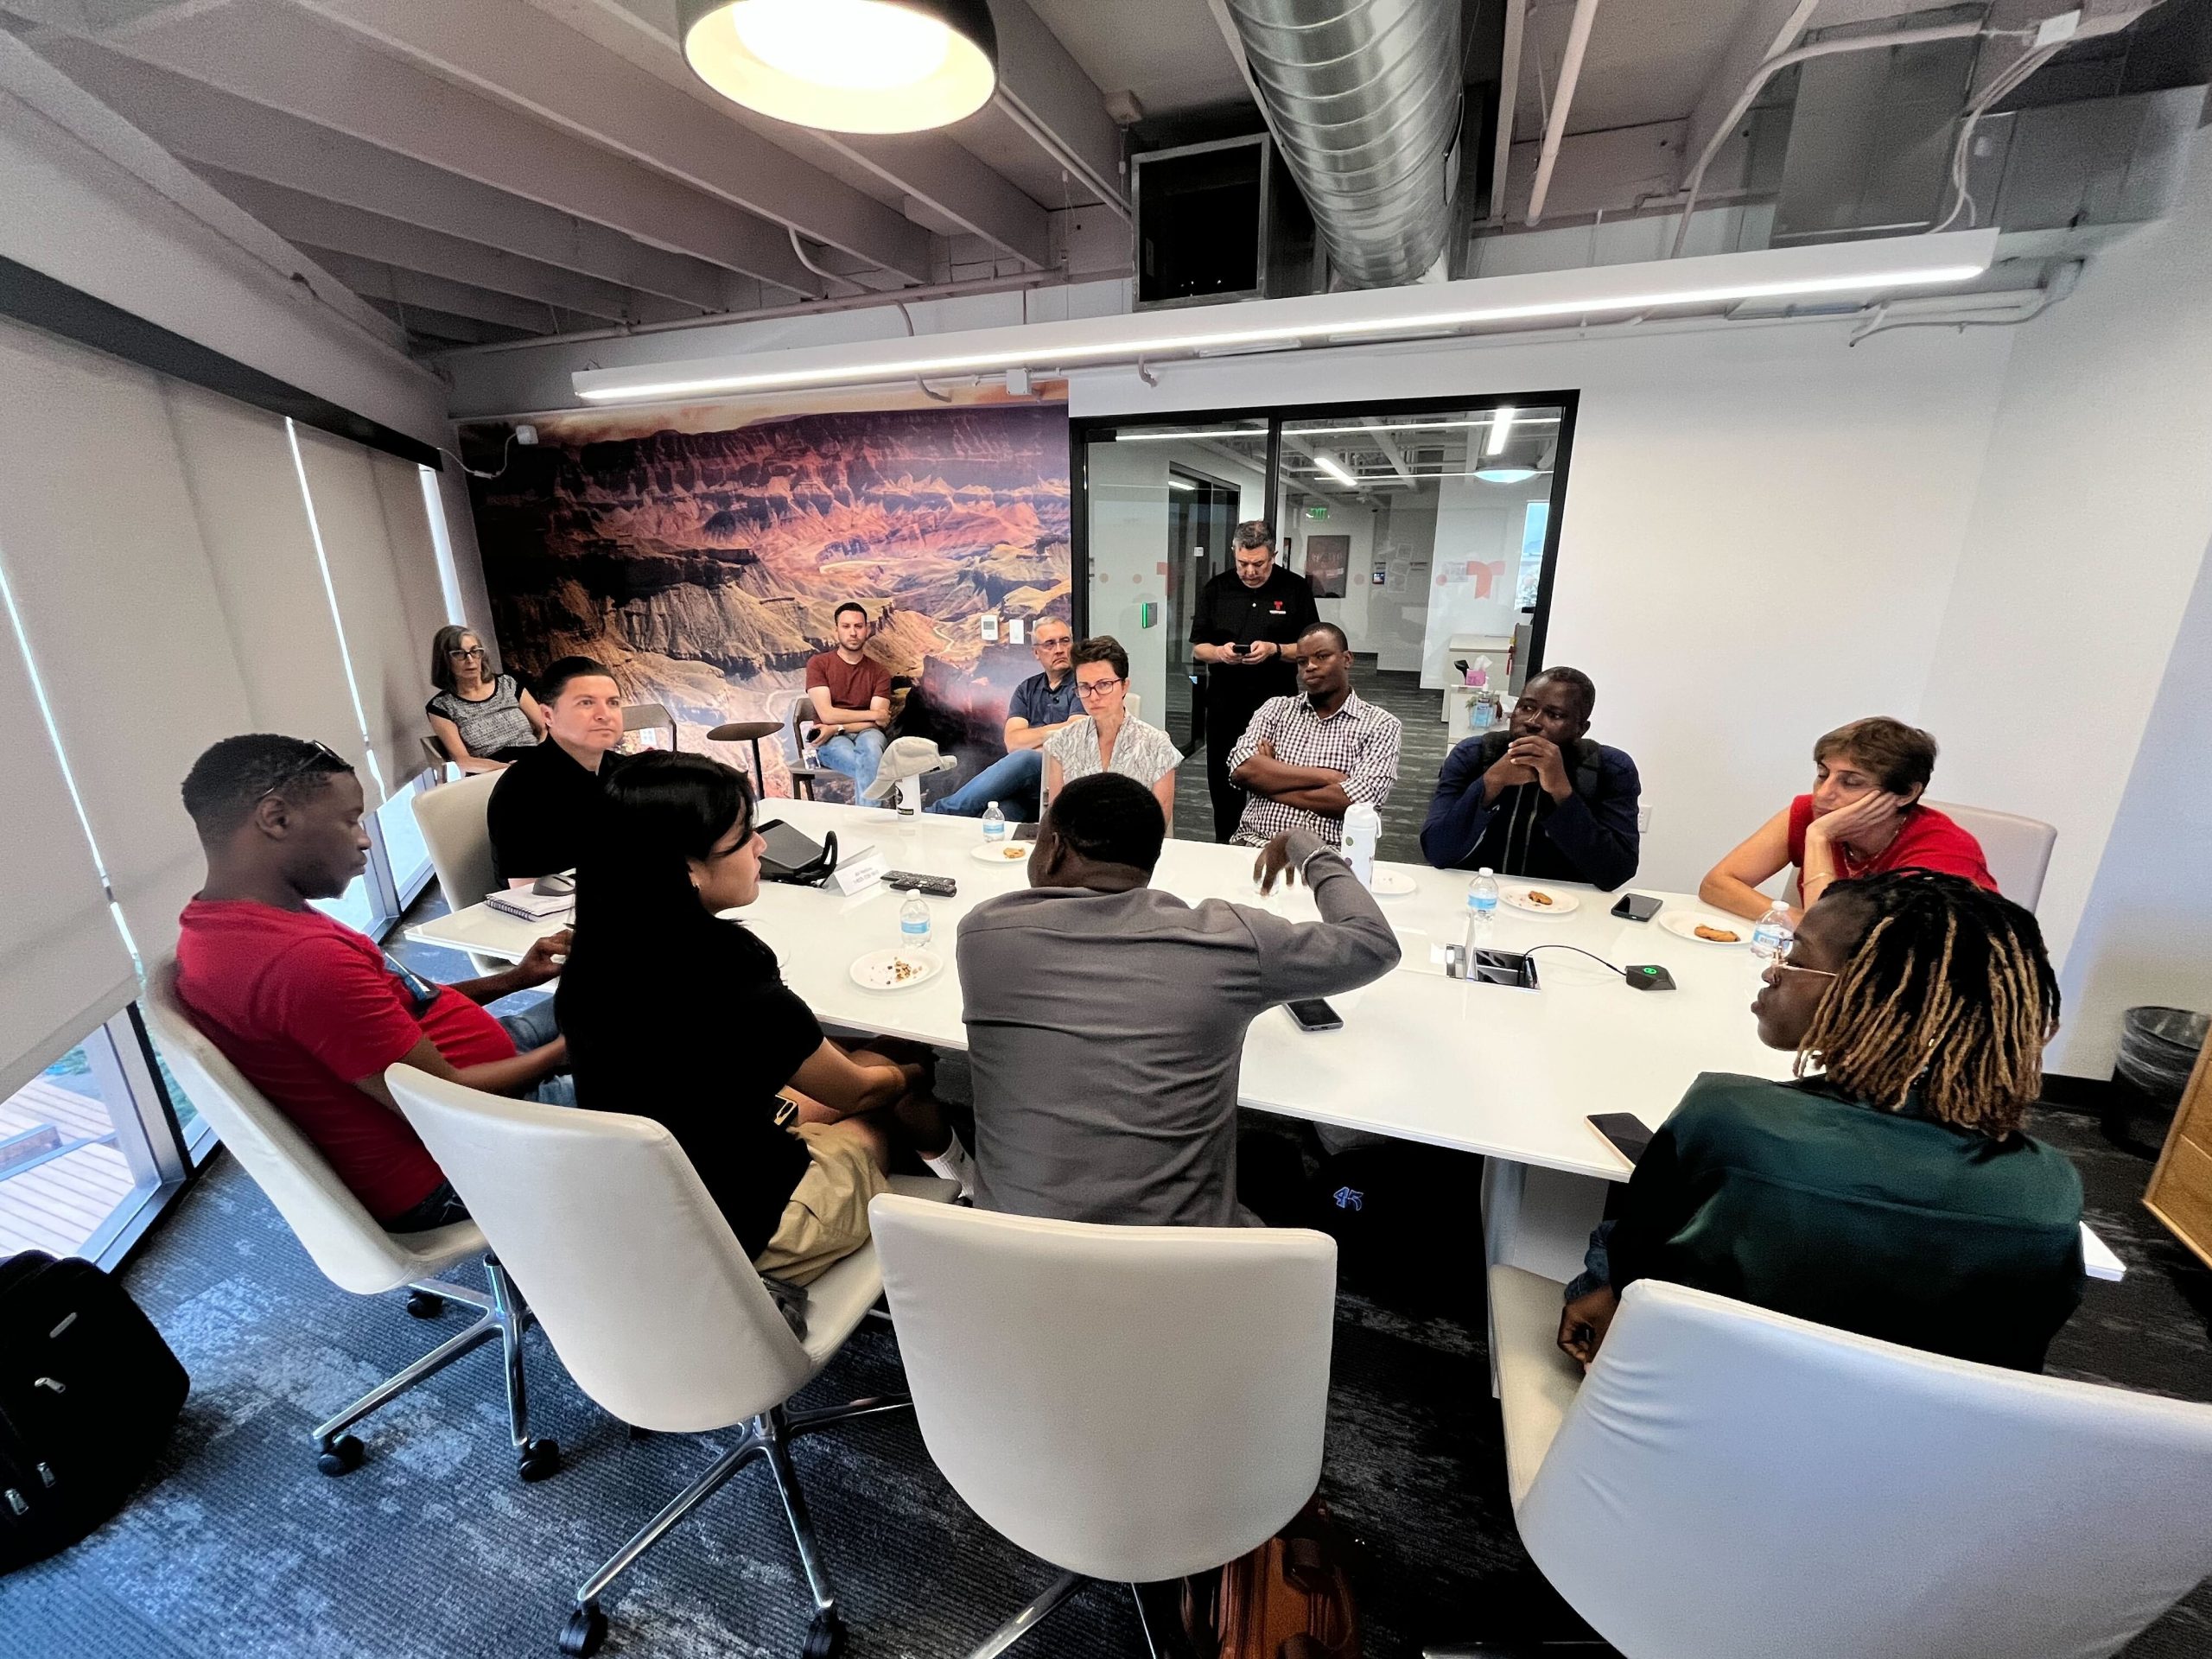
[(344, 1240), (650, 1300)]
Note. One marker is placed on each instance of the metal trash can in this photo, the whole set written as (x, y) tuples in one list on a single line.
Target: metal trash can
[(2158, 1049)]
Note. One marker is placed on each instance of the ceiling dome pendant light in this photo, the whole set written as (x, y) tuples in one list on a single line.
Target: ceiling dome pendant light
[(847, 66), (1497, 469)]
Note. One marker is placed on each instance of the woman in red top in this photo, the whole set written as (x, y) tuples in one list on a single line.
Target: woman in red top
[(1864, 817)]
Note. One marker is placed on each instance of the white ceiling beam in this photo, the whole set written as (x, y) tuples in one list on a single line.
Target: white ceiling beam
[(373, 278), (951, 184), (211, 129), (270, 53), (304, 219), (518, 55), (1570, 73), (1769, 26), (1509, 90), (1049, 97), (435, 325)]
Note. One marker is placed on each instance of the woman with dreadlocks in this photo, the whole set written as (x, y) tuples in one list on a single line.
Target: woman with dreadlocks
[(1888, 1191)]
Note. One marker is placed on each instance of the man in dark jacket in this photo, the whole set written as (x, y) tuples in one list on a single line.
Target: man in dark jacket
[(1538, 798)]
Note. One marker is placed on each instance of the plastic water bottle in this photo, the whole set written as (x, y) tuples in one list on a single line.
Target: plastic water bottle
[(913, 924), (1773, 935), (1482, 917), (1362, 828), (993, 826)]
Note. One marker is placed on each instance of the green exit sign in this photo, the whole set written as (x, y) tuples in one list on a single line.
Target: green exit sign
[(1318, 510)]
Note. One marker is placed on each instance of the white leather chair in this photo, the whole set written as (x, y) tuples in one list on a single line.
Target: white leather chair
[(1132, 1403), (453, 819), (1729, 1481), (344, 1240), (648, 1298), (649, 717), (2017, 849)]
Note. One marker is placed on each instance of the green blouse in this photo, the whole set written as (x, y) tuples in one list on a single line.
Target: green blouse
[(1891, 1224)]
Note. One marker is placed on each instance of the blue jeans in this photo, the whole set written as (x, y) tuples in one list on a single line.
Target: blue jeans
[(855, 754), (534, 1028), (1014, 781)]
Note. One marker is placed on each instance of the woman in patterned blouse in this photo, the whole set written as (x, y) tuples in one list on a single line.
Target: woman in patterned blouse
[(1108, 738), (482, 719)]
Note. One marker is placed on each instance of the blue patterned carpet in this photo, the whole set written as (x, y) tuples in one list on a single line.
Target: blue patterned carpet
[(239, 1549)]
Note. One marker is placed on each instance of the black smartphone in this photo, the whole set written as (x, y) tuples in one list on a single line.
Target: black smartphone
[(1025, 831), (1629, 1133), (1639, 907), (1314, 1014), (937, 887)]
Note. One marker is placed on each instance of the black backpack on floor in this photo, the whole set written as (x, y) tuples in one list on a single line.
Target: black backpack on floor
[(88, 1395)]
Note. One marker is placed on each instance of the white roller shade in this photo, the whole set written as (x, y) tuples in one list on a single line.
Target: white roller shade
[(120, 605), (383, 569), (63, 968), (253, 521)]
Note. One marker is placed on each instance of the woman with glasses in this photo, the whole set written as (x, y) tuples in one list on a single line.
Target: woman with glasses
[(1107, 737), (481, 719), (1890, 1190)]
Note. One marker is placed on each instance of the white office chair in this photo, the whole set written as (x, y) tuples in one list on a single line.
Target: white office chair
[(649, 717), (344, 1240), (2017, 849), (648, 1298), (1729, 1481), (1132, 1403), (452, 818)]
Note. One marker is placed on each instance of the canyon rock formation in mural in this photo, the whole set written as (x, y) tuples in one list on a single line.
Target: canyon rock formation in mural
[(703, 567)]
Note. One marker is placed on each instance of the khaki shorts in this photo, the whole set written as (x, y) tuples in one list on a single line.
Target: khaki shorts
[(827, 1218)]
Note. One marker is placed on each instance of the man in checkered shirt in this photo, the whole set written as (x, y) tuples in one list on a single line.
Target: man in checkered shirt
[(1307, 758)]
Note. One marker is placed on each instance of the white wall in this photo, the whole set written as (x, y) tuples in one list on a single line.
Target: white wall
[(1722, 485), (1128, 554)]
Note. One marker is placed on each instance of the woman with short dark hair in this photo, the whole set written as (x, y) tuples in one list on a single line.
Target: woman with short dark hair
[(1864, 816), (1892, 1193), (1106, 737), (481, 717), (675, 1013)]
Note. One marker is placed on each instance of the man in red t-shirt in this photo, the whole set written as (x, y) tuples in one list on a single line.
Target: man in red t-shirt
[(851, 694), (309, 1010)]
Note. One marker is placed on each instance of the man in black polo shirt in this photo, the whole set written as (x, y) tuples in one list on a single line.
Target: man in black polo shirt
[(1245, 630), (542, 807)]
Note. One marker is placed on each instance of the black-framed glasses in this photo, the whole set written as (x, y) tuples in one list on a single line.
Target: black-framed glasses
[(465, 650), (1095, 688), (312, 761)]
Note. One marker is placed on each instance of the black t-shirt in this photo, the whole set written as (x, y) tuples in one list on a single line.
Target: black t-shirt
[(704, 1050), (543, 812), (1228, 613)]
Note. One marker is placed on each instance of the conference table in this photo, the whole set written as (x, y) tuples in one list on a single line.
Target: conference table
[(1507, 1073)]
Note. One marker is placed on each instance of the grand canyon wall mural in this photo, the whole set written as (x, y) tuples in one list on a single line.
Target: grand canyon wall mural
[(700, 554)]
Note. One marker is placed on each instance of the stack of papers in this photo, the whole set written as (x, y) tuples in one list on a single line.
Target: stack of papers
[(532, 907)]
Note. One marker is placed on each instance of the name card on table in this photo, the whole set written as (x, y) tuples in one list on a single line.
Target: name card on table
[(858, 870)]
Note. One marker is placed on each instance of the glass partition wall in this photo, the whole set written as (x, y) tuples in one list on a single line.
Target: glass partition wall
[(1428, 534)]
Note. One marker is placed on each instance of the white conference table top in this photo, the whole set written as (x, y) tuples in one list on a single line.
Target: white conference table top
[(1506, 1073)]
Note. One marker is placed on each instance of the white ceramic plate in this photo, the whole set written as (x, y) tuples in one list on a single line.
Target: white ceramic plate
[(1563, 903), (881, 970), (1005, 852), (1684, 924), (1389, 883)]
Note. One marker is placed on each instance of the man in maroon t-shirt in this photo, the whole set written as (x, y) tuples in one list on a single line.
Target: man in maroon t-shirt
[(851, 694), (309, 1010)]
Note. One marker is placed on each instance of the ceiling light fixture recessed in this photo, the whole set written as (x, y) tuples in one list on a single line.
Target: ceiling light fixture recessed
[(846, 66)]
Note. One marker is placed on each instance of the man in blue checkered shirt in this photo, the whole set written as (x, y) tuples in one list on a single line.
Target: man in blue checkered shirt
[(1307, 758)]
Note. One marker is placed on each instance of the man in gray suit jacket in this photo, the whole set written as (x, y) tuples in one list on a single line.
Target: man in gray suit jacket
[(1106, 1019)]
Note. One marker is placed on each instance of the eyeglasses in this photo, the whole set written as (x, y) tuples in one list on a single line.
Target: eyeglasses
[(1095, 688), (1781, 961), (466, 650), (313, 761)]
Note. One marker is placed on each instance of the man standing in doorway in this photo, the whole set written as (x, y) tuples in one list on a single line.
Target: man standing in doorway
[(1245, 630), (851, 694)]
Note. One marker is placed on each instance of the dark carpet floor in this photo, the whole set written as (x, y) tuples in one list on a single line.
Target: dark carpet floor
[(239, 1549)]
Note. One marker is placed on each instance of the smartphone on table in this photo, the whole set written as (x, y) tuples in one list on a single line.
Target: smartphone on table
[(1313, 1014), (1629, 1133), (1639, 907)]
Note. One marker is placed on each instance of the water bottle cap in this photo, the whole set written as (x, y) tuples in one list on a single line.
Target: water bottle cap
[(1483, 871)]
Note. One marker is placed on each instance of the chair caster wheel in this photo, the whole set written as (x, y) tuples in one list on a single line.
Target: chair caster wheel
[(585, 1631), (340, 1456), (424, 1305), (540, 1459), (825, 1636)]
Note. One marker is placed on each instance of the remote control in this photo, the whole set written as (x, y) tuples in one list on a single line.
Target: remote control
[(937, 887)]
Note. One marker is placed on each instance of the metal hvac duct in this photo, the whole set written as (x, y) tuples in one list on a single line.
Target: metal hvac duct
[(1363, 97)]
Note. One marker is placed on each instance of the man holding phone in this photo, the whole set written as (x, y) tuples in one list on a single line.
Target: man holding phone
[(1244, 631), (1539, 798)]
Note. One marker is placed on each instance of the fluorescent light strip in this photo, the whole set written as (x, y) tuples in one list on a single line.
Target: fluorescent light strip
[(1164, 437), (1012, 355), (1330, 468), (1299, 429), (1175, 483), (1501, 429)]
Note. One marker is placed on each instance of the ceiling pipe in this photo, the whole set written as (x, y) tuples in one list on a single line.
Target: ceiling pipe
[(1570, 71), (1773, 66), (1508, 93), (1364, 99)]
